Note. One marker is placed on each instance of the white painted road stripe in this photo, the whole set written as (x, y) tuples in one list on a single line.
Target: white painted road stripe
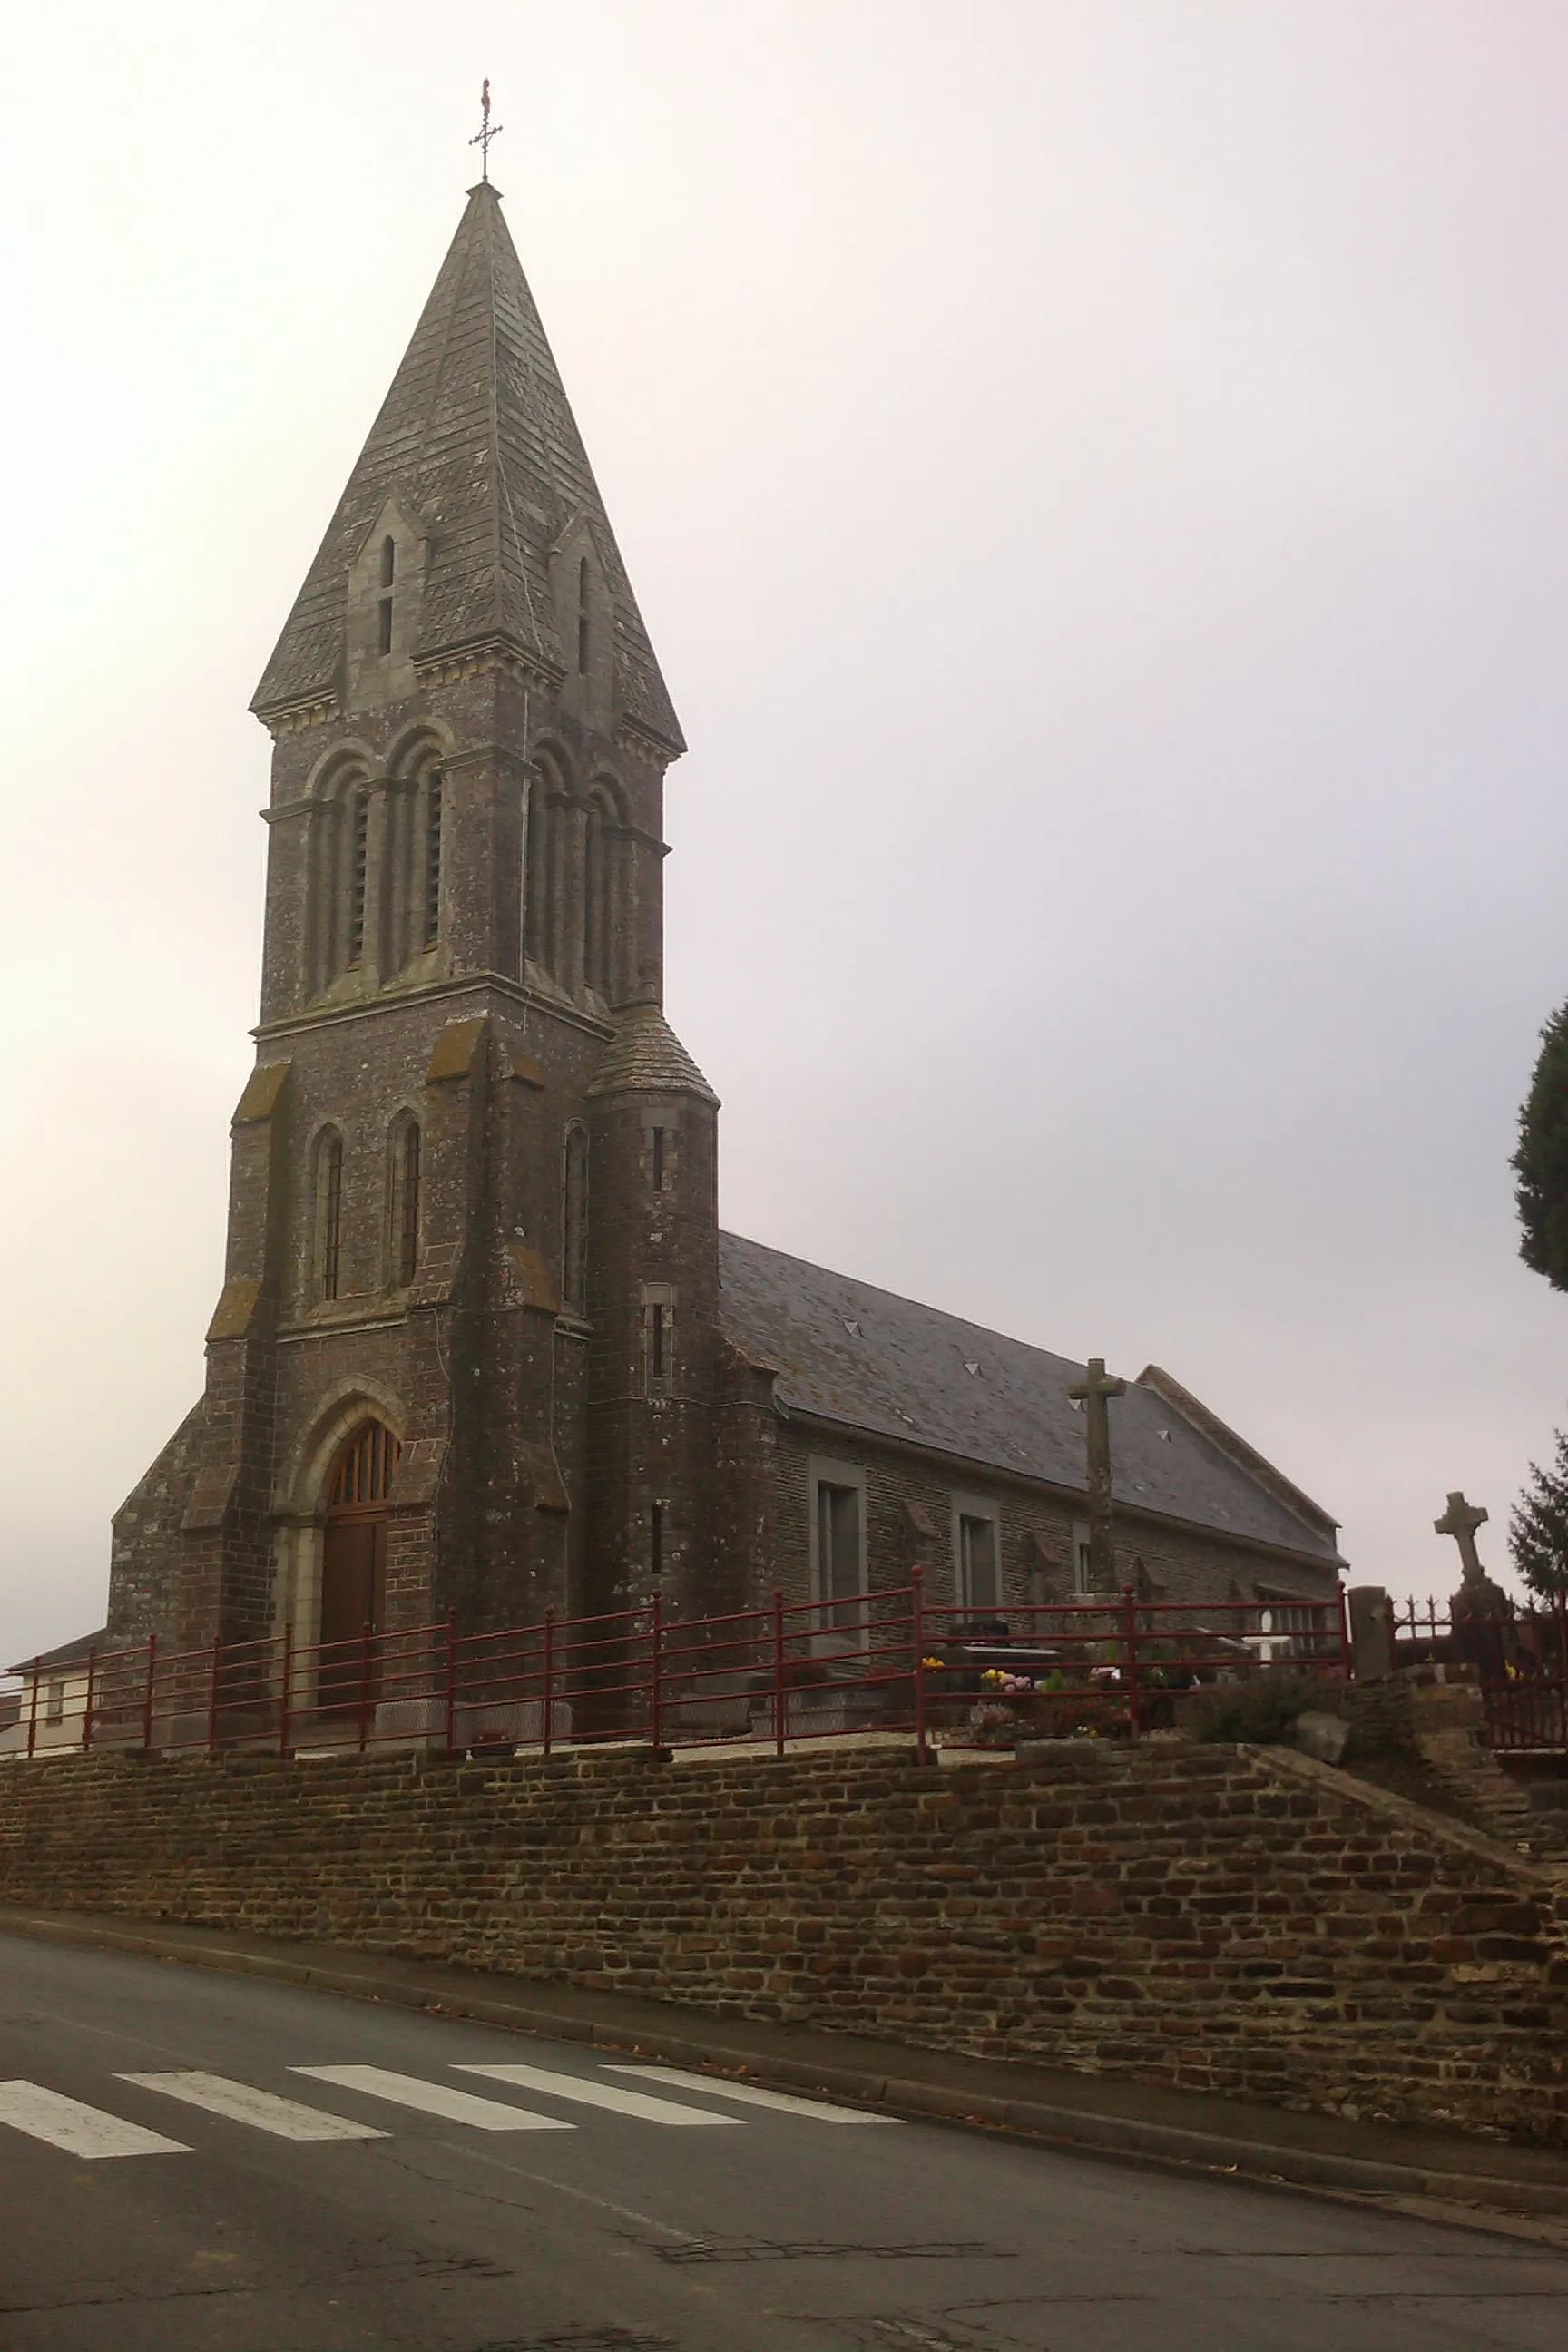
[(80, 2131), (751, 2094), (243, 2105), (434, 2098), (598, 2094)]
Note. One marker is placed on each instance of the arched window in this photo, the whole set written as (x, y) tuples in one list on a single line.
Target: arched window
[(383, 610), (403, 1203), (362, 1480), (602, 850), (328, 1214), (539, 943), (359, 872), (574, 1224), (431, 845), (596, 910)]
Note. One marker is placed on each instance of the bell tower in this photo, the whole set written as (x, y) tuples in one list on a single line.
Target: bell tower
[(445, 1224)]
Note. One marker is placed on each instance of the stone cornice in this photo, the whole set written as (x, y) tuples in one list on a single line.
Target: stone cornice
[(294, 718), (645, 745), (453, 662), (503, 753), (395, 1000)]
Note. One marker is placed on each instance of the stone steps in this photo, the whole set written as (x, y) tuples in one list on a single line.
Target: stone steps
[(1528, 1819)]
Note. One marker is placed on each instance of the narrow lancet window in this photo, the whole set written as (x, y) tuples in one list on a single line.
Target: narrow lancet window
[(433, 858), (584, 618), (359, 865), (594, 899), (656, 1139), (536, 874), (329, 1214), (383, 610), (404, 1218)]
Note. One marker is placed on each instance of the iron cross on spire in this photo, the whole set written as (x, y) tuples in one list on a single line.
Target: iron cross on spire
[(1094, 1393), (1461, 1520), (484, 134)]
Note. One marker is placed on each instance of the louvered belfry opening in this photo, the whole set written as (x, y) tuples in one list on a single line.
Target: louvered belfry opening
[(354, 1568)]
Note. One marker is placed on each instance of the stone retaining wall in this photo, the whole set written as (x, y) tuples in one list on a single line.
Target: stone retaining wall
[(1229, 1920)]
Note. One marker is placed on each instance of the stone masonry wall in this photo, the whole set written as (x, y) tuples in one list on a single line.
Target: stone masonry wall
[(1226, 1919), (1035, 1528)]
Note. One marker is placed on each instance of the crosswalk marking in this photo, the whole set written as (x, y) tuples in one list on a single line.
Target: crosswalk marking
[(243, 2104), (751, 2094), (79, 2130), (598, 2094), (434, 2098)]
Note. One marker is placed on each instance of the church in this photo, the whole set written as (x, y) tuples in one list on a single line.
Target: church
[(482, 1345)]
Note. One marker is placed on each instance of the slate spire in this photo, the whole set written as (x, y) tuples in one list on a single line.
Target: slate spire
[(476, 441)]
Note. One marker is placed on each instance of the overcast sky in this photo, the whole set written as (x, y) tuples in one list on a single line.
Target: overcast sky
[(1094, 473)]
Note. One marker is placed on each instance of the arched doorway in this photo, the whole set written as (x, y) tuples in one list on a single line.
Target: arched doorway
[(354, 1556)]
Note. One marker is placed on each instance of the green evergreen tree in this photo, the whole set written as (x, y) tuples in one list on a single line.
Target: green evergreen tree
[(1538, 1526), (1541, 1161)]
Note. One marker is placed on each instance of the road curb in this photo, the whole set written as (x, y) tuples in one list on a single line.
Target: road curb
[(1164, 2144)]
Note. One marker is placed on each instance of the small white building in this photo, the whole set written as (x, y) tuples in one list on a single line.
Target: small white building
[(51, 1705)]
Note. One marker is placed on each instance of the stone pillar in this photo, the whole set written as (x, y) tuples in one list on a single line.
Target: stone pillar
[(1371, 1633)]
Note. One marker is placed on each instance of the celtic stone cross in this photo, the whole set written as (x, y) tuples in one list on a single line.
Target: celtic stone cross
[(1461, 1520)]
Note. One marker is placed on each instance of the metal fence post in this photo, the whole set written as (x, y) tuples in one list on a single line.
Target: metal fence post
[(147, 1702), (778, 1670), (284, 1693), (365, 1642), (1130, 1639), (1346, 1665), (87, 1709), (33, 1711), (549, 1700), (918, 1634), (451, 1681), (656, 1687)]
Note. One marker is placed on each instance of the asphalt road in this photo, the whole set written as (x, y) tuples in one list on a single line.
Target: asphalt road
[(457, 2206)]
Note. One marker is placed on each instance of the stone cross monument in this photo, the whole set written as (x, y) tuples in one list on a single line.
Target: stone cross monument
[(1461, 1520), (1480, 1610), (1094, 1393)]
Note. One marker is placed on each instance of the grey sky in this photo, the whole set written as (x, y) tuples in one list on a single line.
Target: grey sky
[(1095, 476)]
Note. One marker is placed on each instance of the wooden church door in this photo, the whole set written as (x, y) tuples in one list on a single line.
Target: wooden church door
[(354, 1558)]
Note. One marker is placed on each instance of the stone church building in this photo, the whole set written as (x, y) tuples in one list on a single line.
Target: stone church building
[(481, 1344)]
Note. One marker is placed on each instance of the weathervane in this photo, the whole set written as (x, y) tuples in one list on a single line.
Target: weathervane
[(484, 134)]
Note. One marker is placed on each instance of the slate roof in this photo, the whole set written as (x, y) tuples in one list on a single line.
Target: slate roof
[(646, 1056), (69, 1653), (477, 436), (891, 1367)]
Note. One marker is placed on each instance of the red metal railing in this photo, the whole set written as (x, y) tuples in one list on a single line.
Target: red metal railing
[(785, 1673)]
